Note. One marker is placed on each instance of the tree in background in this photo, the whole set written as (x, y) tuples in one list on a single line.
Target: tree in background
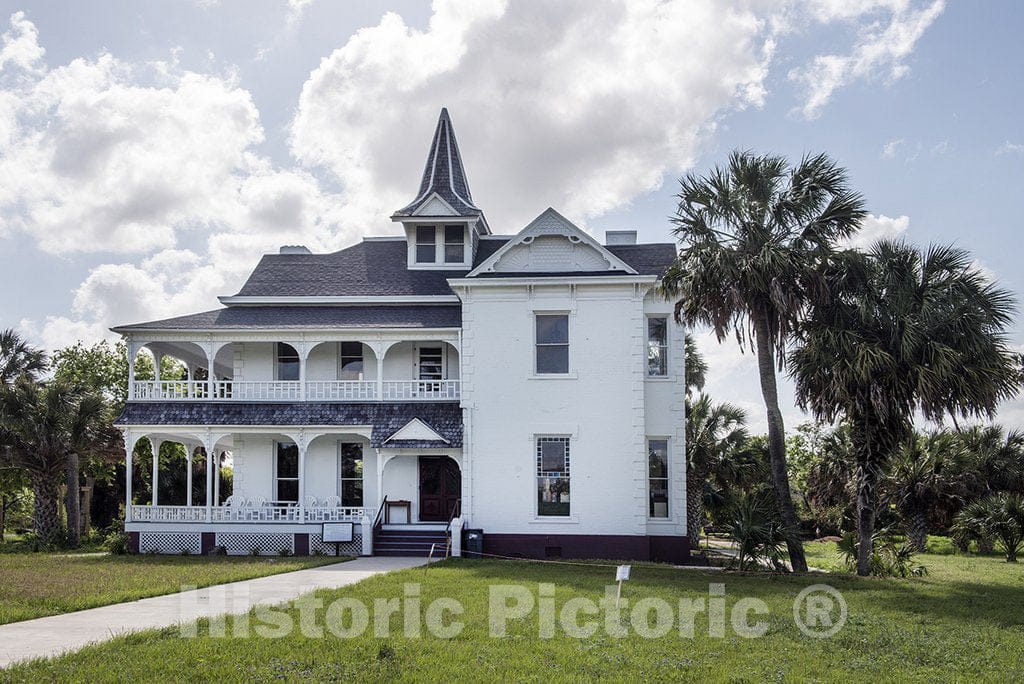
[(48, 427), (922, 472), (820, 459), (903, 331), (754, 237), (18, 358), (714, 432), (14, 496)]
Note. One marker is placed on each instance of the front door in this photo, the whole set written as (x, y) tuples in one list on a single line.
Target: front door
[(440, 488)]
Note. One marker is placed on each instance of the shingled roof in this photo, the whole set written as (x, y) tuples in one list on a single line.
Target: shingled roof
[(444, 418), (444, 174), (310, 317)]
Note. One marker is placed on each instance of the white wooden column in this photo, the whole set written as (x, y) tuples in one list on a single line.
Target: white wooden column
[(188, 476), (129, 446), (208, 446), (211, 378), (132, 351), (155, 443), (158, 360), (303, 350), (301, 444), (216, 478), (380, 351)]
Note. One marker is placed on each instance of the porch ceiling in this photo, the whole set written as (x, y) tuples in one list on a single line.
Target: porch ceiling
[(445, 418)]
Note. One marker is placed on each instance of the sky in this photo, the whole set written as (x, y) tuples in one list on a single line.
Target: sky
[(150, 152)]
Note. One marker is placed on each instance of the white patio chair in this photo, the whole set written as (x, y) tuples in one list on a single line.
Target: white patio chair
[(234, 501), (311, 502), (258, 501), (332, 501)]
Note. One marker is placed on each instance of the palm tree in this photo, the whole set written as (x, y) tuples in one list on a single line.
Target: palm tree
[(921, 473), (17, 358), (1000, 516), (713, 433), (903, 331), (754, 236), (46, 428), (696, 367)]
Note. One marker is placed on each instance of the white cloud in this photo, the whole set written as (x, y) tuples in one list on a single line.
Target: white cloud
[(941, 147), (1009, 148), (890, 149), (578, 105), (880, 50), (875, 228)]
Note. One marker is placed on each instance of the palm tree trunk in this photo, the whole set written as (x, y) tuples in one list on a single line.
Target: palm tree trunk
[(90, 485), (986, 545), (867, 496), (917, 528), (694, 508), (3, 517), (72, 505), (45, 518), (777, 443)]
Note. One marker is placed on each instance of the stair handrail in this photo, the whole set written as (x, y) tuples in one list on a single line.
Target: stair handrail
[(377, 521)]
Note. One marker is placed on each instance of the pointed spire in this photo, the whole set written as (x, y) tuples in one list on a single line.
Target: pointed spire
[(444, 174)]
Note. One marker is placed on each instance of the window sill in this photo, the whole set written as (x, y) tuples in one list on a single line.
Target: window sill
[(662, 521), (557, 520), (659, 378), (552, 376)]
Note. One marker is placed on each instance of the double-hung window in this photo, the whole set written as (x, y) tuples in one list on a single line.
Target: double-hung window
[(351, 474), (426, 244), (286, 472), (657, 471), (350, 361), (287, 366), (552, 341), (553, 476), (454, 244), (657, 347)]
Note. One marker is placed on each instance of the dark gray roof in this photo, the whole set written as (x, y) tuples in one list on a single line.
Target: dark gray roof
[(444, 173), (444, 418), (649, 259), (275, 317), (372, 268)]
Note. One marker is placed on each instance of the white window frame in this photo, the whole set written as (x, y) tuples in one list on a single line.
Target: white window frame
[(534, 372), (416, 245), (341, 357), (538, 475), (277, 479), (277, 361), (668, 476), (445, 244), (665, 347)]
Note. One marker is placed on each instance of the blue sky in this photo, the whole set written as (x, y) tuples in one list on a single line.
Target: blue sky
[(149, 152)]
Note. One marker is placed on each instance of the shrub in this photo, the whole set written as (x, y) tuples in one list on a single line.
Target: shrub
[(1000, 516), (117, 543), (760, 537), (889, 556)]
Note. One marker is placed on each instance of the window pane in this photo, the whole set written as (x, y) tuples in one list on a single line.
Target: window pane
[(657, 450), (425, 235), (287, 490), (552, 329), (352, 349), (659, 498), (352, 460), (454, 235), (657, 330), (552, 456), (424, 254), (287, 460), (454, 254), (352, 493), (657, 364), (553, 359), (287, 362), (553, 496), (431, 366)]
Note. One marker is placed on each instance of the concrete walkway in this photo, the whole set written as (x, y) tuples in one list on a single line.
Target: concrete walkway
[(50, 636)]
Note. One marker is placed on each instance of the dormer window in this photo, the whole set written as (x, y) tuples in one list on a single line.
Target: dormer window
[(426, 245), (454, 244)]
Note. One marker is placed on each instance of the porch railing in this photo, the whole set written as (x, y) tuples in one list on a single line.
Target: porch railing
[(420, 389), (170, 389), (247, 514), (334, 390), (291, 390)]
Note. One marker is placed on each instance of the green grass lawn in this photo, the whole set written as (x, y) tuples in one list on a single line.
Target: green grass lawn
[(37, 584), (964, 620)]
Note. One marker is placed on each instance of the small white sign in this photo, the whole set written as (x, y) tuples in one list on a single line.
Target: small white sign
[(337, 532), (622, 573)]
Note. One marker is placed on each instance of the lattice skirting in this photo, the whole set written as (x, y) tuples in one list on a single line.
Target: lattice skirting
[(268, 544), (171, 542), (352, 548)]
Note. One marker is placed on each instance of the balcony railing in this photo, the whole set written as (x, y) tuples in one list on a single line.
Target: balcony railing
[(269, 513), (290, 390)]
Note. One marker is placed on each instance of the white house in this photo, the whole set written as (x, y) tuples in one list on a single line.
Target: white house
[(527, 385)]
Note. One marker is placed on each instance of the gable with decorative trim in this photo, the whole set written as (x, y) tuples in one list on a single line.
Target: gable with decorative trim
[(552, 244), (416, 430)]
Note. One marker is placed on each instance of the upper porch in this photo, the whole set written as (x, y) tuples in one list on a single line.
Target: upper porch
[(278, 366)]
